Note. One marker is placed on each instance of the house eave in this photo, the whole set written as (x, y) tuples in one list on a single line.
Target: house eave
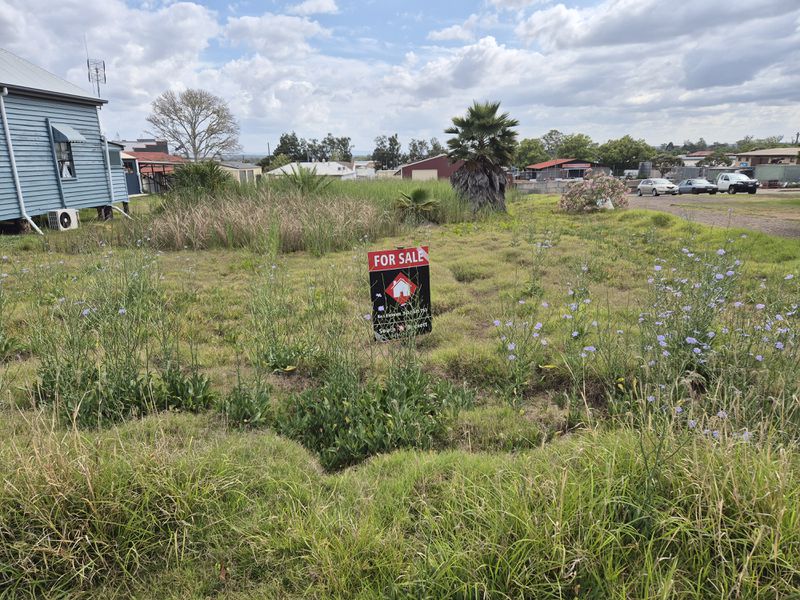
[(47, 95)]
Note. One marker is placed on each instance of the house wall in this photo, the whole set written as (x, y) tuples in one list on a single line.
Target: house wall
[(440, 164), (8, 195), (36, 165), (243, 175)]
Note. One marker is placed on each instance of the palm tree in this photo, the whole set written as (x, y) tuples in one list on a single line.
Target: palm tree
[(485, 141)]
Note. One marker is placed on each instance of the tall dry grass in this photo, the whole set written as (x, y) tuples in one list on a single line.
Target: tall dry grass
[(275, 217), (267, 220)]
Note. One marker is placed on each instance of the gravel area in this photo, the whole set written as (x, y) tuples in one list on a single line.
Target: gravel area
[(782, 227)]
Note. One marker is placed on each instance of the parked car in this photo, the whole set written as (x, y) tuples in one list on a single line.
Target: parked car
[(655, 187), (696, 186), (736, 182)]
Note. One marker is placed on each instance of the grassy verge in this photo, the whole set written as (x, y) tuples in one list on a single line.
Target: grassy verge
[(172, 507)]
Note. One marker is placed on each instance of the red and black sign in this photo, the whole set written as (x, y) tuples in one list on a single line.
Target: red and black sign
[(399, 282)]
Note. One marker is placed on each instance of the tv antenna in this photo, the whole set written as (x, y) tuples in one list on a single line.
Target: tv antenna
[(97, 72)]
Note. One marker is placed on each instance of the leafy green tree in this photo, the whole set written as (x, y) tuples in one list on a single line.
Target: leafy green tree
[(579, 146), (485, 140), (690, 146), (552, 141), (338, 148), (624, 153), (275, 161), (418, 149), (291, 146), (719, 158), (665, 162), (530, 151), (436, 148), (388, 152)]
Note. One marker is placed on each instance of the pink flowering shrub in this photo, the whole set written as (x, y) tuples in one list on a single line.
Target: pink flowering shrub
[(593, 193)]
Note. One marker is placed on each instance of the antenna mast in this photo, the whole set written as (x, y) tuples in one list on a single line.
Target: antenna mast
[(97, 72)]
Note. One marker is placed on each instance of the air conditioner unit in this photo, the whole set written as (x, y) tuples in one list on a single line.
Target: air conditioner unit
[(63, 218)]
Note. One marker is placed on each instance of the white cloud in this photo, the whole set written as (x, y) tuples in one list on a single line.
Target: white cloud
[(314, 7), (279, 36), (615, 22), (452, 34), (466, 31), (598, 70)]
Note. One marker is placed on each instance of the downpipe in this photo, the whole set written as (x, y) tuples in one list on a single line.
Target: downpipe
[(10, 146)]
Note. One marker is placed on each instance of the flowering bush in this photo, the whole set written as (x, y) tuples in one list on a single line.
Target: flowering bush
[(594, 193)]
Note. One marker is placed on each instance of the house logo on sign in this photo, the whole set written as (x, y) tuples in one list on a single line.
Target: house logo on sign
[(401, 289)]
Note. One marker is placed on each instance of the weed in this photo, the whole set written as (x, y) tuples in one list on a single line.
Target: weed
[(346, 421)]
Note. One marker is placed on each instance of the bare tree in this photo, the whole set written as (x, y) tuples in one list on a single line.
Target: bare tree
[(197, 123)]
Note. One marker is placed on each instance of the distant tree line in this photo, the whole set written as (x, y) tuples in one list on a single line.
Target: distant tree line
[(619, 154), (388, 151), (626, 152)]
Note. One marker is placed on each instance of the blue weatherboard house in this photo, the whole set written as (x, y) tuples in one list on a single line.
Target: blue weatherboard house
[(53, 154)]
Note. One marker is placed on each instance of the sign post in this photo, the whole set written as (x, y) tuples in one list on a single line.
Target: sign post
[(399, 282)]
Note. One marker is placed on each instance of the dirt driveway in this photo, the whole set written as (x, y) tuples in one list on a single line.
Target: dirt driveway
[(775, 214)]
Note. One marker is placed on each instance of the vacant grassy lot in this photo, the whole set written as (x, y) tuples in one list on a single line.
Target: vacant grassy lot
[(761, 206), (607, 407)]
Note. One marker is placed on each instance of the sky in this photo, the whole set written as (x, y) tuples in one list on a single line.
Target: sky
[(662, 70)]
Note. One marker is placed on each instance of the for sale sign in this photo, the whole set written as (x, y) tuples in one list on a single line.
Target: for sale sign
[(399, 283)]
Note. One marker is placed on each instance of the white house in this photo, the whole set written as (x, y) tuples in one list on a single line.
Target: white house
[(328, 169)]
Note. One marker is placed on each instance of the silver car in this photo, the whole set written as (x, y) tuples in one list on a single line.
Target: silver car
[(656, 187)]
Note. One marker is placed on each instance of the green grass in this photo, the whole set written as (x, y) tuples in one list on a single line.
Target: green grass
[(172, 507), (551, 475)]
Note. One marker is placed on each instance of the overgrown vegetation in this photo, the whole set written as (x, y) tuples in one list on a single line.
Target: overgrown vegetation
[(199, 178), (597, 191), (606, 408)]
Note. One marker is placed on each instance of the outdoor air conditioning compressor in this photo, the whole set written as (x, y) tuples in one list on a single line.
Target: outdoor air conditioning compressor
[(62, 219)]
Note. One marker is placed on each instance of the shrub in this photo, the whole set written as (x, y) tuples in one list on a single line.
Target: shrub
[(201, 177), (418, 206), (346, 421), (593, 194), (305, 181)]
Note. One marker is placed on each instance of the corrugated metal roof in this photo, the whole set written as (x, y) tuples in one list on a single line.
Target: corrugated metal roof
[(236, 164), (156, 157), (419, 162), (550, 163), (16, 72), (772, 152)]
